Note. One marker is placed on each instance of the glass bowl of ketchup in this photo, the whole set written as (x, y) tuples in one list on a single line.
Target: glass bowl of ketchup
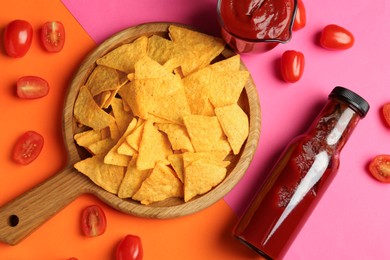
[(256, 25)]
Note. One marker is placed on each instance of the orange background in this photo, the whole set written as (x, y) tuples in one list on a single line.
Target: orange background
[(204, 235)]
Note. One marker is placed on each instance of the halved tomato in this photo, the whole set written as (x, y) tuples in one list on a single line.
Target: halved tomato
[(27, 147), (93, 221), (380, 168), (30, 87), (53, 36)]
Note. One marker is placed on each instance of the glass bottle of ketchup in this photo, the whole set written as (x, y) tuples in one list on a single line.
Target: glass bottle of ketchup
[(300, 177)]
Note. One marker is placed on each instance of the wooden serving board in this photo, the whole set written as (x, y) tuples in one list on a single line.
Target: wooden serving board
[(21, 216)]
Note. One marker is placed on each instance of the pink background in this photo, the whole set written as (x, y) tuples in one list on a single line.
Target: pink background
[(351, 222)]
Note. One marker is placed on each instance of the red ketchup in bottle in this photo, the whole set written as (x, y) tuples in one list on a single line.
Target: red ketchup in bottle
[(300, 177)]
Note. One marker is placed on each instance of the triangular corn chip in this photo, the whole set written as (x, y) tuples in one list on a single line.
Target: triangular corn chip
[(176, 161), (178, 136), (205, 47), (109, 177), (93, 116), (147, 68), (125, 56), (154, 147), (235, 124), (200, 177), (102, 79), (206, 133), (160, 185), (132, 180), (113, 157)]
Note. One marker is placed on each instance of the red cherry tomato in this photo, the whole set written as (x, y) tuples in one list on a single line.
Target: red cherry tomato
[(27, 147), (300, 17), (17, 38), (386, 113), (380, 168), (30, 87), (335, 37), (93, 221), (129, 248), (53, 36), (292, 65)]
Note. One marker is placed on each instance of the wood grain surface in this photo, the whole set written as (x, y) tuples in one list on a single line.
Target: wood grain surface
[(21, 216)]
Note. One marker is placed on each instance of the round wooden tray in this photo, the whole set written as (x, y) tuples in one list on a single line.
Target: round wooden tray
[(21, 216)]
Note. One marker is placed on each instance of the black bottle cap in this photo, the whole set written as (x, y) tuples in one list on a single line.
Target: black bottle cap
[(357, 103)]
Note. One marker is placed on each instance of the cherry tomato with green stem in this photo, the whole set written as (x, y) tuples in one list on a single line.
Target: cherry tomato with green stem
[(129, 248), (27, 147), (379, 168), (31, 87), (53, 36), (93, 221), (18, 36), (292, 65), (300, 17), (335, 37)]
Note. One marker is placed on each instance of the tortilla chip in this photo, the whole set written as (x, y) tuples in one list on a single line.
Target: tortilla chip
[(157, 97), (109, 177), (112, 95), (227, 87), (101, 147), (126, 149), (134, 138), (113, 157), (87, 137), (177, 164), (178, 136), (214, 157), (205, 47), (147, 68), (122, 117), (171, 54), (125, 56), (160, 185), (132, 180), (209, 88), (200, 177), (196, 90), (102, 98), (160, 49), (235, 124), (154, 147), (230, 64), (160, 120), (102, 79), (88, 113), (114, 132), (206, 133)]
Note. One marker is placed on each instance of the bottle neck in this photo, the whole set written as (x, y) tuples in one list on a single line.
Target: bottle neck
[(335, 124)]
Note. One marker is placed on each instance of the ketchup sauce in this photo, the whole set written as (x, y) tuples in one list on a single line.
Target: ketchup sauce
[(258, 19)]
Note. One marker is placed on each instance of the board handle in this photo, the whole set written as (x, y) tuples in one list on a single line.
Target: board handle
[(21, 216)]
